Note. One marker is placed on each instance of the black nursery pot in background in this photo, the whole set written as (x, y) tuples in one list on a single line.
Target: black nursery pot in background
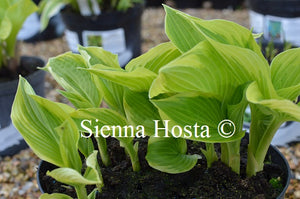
[(117, 32), (279, 20), (8, 89), (188, 3), (216, 4), (232, 4), (154, 3)]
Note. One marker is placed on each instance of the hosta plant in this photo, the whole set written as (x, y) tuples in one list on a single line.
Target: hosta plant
[(49, 8), (195, 87), (12, 17)]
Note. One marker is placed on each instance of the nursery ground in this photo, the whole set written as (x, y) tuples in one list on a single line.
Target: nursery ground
[(18, 173)]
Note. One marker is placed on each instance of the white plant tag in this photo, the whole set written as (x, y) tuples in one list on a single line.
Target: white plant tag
[(110, 40), (95, 7), (84, 8), (72, 40), (125, 57), (292, 33), (30, 27), (273, 28), (256, 21), (276, 28)]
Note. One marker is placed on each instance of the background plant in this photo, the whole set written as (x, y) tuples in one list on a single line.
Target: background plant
[(12, 16), (49, 8), (270, 50)]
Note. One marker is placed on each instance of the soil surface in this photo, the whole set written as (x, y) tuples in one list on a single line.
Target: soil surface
[(216, 182)]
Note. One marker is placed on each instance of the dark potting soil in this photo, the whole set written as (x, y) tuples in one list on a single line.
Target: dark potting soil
[(216, 182)]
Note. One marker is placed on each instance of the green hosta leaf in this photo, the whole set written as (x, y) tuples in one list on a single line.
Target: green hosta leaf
[(97, 55), (266, 117), (186, 31), (86, 146), (93, 171), (285, 70), (97, 117), (113, 95), (237, 107), (49, 9), (179, 25), (290, 93), (90, 119), (93, 194), (69, 137), (36, 118), (137, 80), (123, 5), (90, 122), (82, 88), (17, 14), (155, 58), (257, 35), (210, 154), (106, 122), (286, 110), (2, 57), (212, 67), (4, 6), (112, 92), (198, 117), (71, 177), (169, 155), (5, 28), (139, 110), (53, 105), (92, 163), (55, 195)]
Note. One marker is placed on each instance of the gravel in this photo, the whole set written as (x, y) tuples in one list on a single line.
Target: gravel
[(18, 173)]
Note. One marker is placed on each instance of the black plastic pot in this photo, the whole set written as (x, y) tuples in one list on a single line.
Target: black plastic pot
[(118, 32), (154, 3), (278, 19), (188, 3), (277, 158), (281, 8), (232, 4), (7, 94), (41, 173), (273, 153)]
